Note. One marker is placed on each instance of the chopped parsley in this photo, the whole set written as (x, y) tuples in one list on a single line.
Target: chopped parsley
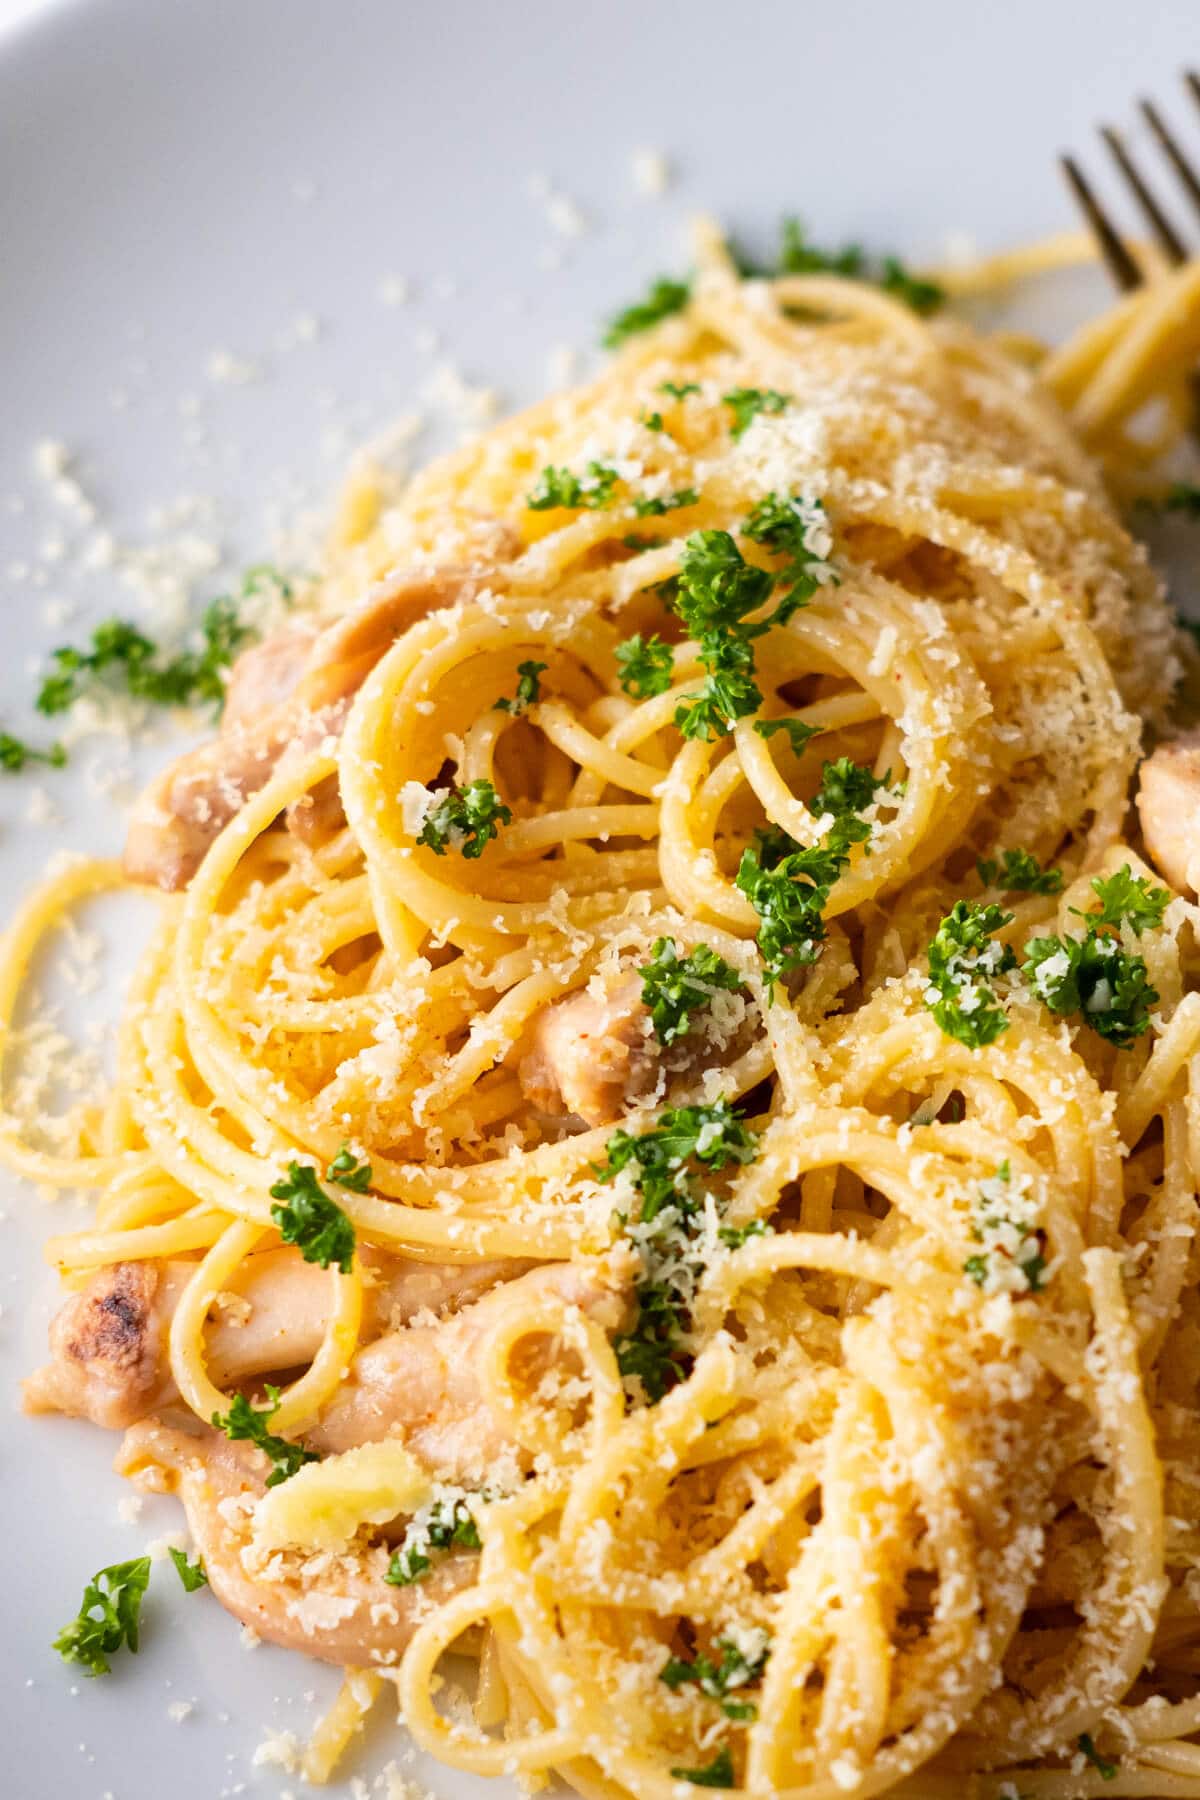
[(1019, 872), (798, 257), (847, 789), (789, 887), (633, 540), (591, 491), (713, 1136), (441, 1526), (653, 421), (792, 526), (348, 1172), (108, 1617), (465, 818), (246, 1423), (666, 1167), (739, 1667), (1093, 975), (192, 1574), (1127, 899), (799, 735), (922, 296), (654, 508), (716, 590), (716, 1774), (312, 1221), (963, 962), (664, 298), (1012, 1259), (674, 986), (734, 1236), (529, 689), (1107, 1771), (746, 403), (679, 390), (645, 666), (1183, 497), (15, 754), (122, 657)]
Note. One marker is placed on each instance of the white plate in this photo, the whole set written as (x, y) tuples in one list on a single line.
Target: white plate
[(178, 181)]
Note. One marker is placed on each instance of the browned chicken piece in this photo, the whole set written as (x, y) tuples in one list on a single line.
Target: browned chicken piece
[(108, 1342), (317, 815), (423, 1383), (1168, 803), (334, 1606), (266, 675), (288, 695), (592, 1055)]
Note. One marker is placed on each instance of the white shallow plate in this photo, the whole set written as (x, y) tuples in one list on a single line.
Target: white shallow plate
[(184, 191)]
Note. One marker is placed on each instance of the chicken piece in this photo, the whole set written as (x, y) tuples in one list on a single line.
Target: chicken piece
[(317, 815), (592, 1054), (108, 1342), (181, 813), (423, 1383), (288, 695), (266, 675), (107, 1348), (335, 1607), (1168, 803)]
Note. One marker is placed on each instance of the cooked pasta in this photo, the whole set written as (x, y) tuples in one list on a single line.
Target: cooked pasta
[(667, 1050)]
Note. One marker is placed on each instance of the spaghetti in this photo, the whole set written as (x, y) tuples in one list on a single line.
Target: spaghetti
[(832, 1421)]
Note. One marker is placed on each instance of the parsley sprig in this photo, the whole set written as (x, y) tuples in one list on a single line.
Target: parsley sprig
[(797, 256), (589, 492), (847, 789), (655, 506), (746, 403), (674, 986), (529, 689), (248, 1424), (797, 528), (1127, 899), (799, 734), (121, 657), (310, 1219), (716, 591), (789, 887), (667, 1166), (712, 1136), (449, 1523), (644, 666), (964, 960), (716, 1774), (348, 1172), (735, 1670), (465, 818), (665, 297), (1019, 872), (108, 1617), (192, 1574), (1093, 975), (15, 754)]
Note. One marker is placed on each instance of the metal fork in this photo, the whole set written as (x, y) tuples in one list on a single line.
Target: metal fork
[(1121, 263)]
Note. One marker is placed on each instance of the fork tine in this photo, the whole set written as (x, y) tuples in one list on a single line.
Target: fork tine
[(1121, 265), (1170, 143), (1168, 238)]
